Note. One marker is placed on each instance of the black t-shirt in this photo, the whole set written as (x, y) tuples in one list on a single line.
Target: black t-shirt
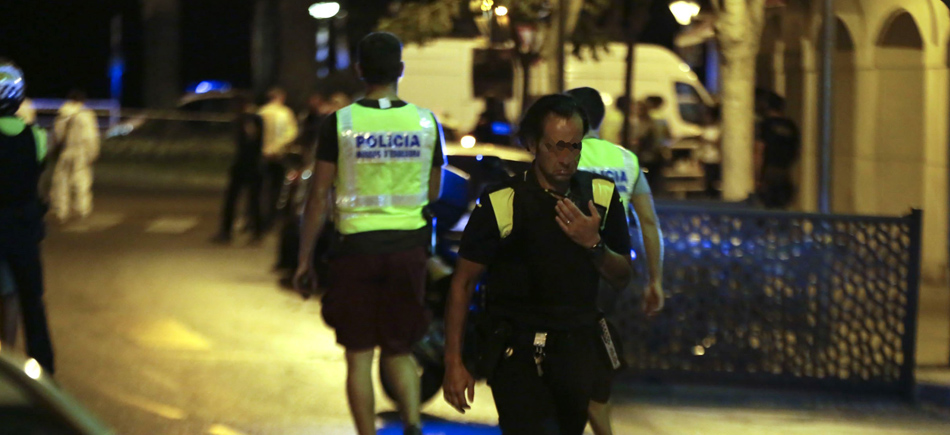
[(537, 276), (373, 242), (782, 142), (248, 129)]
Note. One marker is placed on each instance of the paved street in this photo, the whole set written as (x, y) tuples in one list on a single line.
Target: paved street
[(160, 332)]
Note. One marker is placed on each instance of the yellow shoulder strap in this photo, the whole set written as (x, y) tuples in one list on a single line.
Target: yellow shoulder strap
[(502, 202), (603, 191)]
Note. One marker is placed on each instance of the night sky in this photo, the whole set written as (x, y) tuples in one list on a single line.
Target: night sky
[(65, 44), (59, 44)]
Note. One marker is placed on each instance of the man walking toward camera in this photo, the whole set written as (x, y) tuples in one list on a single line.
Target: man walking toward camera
[(546, 238)]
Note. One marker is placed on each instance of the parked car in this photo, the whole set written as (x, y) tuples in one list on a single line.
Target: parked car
[(32, 404)]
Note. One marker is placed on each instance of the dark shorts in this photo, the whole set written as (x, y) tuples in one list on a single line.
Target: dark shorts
[(378, 300)]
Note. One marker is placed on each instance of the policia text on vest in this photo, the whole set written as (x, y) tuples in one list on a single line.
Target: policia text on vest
[(394, 145)]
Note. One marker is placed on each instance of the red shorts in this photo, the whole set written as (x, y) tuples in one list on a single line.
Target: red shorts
[(378, 300)]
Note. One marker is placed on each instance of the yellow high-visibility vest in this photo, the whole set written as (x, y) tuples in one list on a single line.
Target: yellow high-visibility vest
[(612, 161), (383, 168)]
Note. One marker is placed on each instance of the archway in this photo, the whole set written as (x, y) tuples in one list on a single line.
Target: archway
[(899, 127)]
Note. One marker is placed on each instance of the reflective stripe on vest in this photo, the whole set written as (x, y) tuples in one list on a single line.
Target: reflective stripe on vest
[(502, 203), (603, 190), (604, 158), (384, 166)]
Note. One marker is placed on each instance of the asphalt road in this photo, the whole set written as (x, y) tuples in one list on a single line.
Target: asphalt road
[(160, 332), (157, 331)]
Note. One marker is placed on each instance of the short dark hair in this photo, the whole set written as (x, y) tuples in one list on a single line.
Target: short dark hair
[(775, 102), (531, 128), (592, 103), (76, 95), (380, 58), (655, 101)]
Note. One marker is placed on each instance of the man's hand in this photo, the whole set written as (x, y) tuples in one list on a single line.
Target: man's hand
[(305, 280), (456, 384), (653, 299), (582, 229)]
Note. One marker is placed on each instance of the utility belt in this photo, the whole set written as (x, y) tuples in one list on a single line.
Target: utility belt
[(500, 337)]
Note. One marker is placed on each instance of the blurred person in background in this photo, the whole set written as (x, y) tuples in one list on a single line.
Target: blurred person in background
[(611, 129), (246, 172), (75, 148), (777, 147), (487, 129), (653, 140), (620, 165), (280, 131), (9, 304), (319, 106), (22, 153)]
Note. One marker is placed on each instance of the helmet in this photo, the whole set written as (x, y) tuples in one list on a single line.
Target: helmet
[(12, 87)]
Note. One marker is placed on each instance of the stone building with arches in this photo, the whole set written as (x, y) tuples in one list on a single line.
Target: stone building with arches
[(890, 107)]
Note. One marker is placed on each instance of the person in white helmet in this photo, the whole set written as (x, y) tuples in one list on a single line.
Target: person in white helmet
[(22, 156), (76, 145)]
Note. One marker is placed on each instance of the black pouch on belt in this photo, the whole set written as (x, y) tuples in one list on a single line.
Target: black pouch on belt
[(494, 335), (610, 349)]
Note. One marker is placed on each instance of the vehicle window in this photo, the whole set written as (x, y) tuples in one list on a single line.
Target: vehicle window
[(691, 106)]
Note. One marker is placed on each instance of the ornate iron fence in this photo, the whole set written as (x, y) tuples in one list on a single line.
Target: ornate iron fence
[(776, 298)]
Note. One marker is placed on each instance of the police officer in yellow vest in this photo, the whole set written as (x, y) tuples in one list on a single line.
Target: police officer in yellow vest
[(384, 158), (621, 165), (22, 152)]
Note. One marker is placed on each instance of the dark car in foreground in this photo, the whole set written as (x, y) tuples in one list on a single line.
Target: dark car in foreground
[(32, 404)]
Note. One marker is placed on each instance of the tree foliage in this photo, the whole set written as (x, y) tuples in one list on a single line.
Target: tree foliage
[(423, 20)]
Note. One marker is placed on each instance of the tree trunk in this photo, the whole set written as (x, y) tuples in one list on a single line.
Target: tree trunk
[(162, 22), (626, 136), (738, 29), (553, 57), (525, 82), (264, 46), (738, 124)]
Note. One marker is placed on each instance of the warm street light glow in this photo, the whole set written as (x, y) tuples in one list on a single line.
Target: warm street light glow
[(684, 11), (487, 5), (468, 141), (324, 10), (501, 11)]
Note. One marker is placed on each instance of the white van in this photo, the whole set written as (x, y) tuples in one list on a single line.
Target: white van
[(439, 77)]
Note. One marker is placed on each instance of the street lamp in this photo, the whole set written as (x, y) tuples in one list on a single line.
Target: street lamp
[(324, 10), (501, 11), (327, 14), (684, 11)]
